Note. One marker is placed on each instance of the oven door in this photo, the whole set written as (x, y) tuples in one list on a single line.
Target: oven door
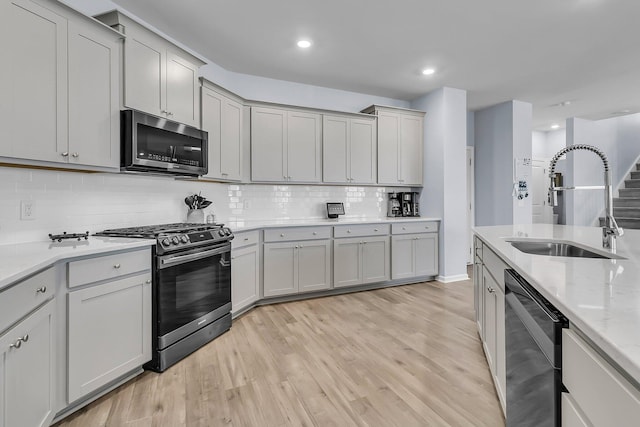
[(192, 289)]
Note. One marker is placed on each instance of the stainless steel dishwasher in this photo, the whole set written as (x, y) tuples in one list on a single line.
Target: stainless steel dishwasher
[(533, 355)]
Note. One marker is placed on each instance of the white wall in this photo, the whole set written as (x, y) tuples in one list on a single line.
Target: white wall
[(445, 138), (544, 145), (79, 202), (502, 134)]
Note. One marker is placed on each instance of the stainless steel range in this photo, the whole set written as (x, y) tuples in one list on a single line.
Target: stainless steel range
[(191, 286)]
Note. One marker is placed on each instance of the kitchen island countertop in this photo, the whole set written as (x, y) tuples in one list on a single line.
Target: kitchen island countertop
[(601, 297), (20, 260)]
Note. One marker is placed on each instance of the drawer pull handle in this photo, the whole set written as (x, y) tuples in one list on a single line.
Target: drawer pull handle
[(148, 281), (246, 238), (491, 290), (42, 289), (282, 235), (116, 266), (75, 155), (65, 154), (315, 234), (348, 231), (403, 228), (25, 338), (375, 229), (16, 344)]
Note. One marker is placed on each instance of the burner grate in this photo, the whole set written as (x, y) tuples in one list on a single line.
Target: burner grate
[(65, 236)]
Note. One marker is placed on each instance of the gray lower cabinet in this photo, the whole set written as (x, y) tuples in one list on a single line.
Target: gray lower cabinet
[(27, 370), (109, 315), (414, 255), (489, 294), (299, 266), (245, 271), (360, 260)]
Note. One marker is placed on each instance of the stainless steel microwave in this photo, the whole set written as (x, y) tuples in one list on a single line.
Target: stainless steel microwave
[(155, 144)]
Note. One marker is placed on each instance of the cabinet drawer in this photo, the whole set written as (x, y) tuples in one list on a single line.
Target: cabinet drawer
[(18, 300), (108, 267), (361, 230), (604, 396), (245, 239), (571, 416), (296, 233), (414, 227), (495, 266), (477, 244)]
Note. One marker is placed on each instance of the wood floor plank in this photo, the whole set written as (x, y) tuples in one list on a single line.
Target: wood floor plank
[(402, 356)]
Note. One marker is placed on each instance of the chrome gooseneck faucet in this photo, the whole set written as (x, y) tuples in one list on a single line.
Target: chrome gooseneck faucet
[(610, 230)]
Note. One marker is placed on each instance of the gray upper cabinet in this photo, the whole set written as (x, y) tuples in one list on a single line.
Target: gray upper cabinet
[(400, 145), (285, 145), (222, 118), (159, 77), (62, 69), (349, 150)]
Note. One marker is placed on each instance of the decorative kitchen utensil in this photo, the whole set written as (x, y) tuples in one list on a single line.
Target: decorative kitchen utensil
[(64, 235)]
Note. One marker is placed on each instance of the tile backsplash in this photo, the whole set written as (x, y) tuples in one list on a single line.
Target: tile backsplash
[(79, 201)]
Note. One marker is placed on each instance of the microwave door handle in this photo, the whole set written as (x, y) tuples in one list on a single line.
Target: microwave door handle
[(181, 259)]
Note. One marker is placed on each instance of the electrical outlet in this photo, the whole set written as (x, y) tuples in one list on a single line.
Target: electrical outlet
[(27, 210)]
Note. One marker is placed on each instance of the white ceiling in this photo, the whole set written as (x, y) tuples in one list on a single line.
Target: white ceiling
[(539, 51)]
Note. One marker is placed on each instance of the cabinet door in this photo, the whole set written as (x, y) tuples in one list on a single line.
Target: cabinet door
[(245, 277), (347, 262), (490, 319), (182, 102), (314, 265), (388, 147), (375, 259), (303, 147), (402, 256), (362, 155), (109, 332), (145, 74), (501, 357), (280, 269), (231, 141), (478, 291), (411, 136), (27, 371), (268, 144), (212, 124), (426, 254), (94, 103), (335, 152), (34, 82)]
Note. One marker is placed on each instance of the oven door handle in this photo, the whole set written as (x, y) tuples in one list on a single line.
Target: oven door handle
[(180, 259)]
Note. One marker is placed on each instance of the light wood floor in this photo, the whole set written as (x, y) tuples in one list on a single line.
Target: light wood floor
[(402, 356)]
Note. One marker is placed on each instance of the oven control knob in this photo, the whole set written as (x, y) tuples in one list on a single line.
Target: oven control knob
[(175, 240), (166, 242), (184, 239), (227, 232), (221, 232)]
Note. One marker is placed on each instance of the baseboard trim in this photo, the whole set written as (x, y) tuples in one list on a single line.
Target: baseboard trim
[(450, 279)]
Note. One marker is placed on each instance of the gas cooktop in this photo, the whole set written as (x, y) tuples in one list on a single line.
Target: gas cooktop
[(151, 231), (177, 236)]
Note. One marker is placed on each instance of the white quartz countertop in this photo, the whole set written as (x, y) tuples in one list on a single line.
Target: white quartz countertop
[(19, 260), (239, 226), (601, 297)]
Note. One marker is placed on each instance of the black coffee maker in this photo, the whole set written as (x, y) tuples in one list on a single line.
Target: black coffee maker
[(410, 204), (403, 204)]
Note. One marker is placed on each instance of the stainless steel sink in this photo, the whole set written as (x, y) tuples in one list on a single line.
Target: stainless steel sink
[(564, 249)]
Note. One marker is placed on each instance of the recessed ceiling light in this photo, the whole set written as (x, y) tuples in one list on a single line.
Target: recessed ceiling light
[(555, 126), (304, 44), (428, 71), (562, 104)]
